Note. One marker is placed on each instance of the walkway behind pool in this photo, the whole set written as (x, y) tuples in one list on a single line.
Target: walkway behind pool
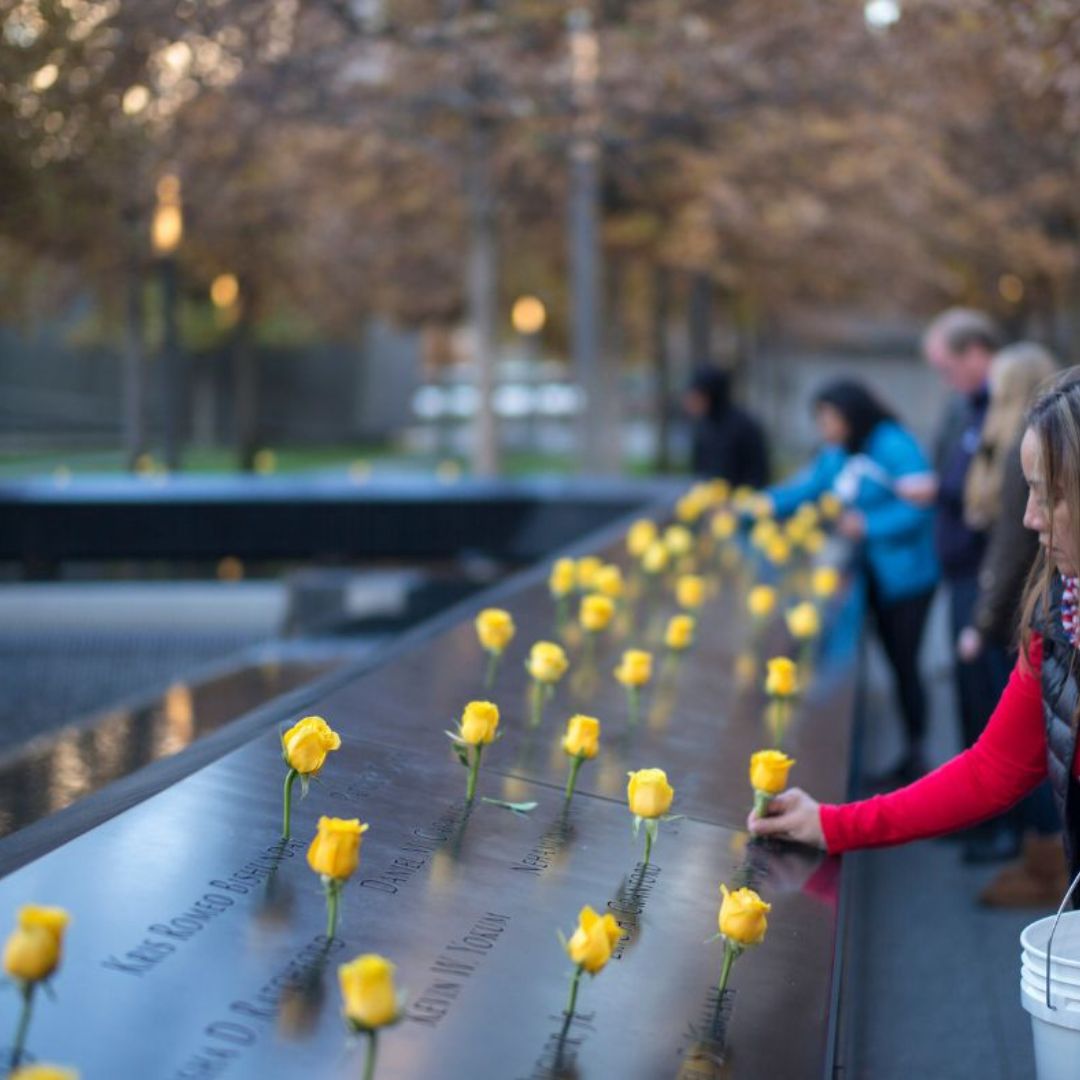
[(934, 977)]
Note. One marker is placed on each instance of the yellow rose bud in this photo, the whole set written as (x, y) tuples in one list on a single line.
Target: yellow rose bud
[(640, 536), (825, 582), (778, 551), (782, 677), (563, 579), (724, 525), (495, 629), (582, 738), (761, 601), (649, 793), (635, 668), (596, 612), (808, 514), (742, 916), (760, 506), (690, 591), (745, 668), (43, 1072), (656, 558), (367, 989), (680, 632), (803, 621), (769, 771), (592, 942), (609, 581), (679, 540), (479, 722), (814, 541), (335, 851), (830, 506), (587, 569), (547, 662), (306, 744), (33, 950)]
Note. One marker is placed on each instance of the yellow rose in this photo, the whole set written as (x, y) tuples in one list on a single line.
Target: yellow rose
[(769, 771), (335, 851), (761, 601), (690, 591), (724, 525), (814, 541), (742, 916), (582, 738), (547, 662), (367, 989), (691, 506), (609, 581), (656, 558), (760, 506), (680, 632), (495, 629), (719, 491), (43, 1072), (778, 551), (596, 612), (830, 506), (803, 621), (679, 540), (825, 582), (563, 579), (649, 793), (635, 669), (306, 744), (640, 536), (587, 569), (592, 942), (782, 677), (33, 950), (479, 722), (796, 529), (763, 533), (808, 514), (742, 496)]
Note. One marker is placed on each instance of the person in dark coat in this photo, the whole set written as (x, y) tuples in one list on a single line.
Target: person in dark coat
[(728, 443)]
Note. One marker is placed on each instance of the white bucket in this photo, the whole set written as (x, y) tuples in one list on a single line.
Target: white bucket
[(1055, 1027)]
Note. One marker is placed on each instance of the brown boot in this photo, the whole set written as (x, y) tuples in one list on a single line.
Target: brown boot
[(1037, 879)]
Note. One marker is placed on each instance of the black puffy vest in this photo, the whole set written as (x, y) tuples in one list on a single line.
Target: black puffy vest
[(1060, 698)]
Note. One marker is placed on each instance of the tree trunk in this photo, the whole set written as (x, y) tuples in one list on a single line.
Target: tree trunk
[(134, 359), (245, 385), (585, 290), (700, 321), (172, 376), (662, 366), (607, 418), (483, 297)]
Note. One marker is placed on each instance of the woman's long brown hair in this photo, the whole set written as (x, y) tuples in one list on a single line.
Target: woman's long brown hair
[(1055, 421)]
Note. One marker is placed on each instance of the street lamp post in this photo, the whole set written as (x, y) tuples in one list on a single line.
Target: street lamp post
[(167, 232)]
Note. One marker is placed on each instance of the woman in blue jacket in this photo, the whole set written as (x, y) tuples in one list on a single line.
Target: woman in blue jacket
[(867, 461)]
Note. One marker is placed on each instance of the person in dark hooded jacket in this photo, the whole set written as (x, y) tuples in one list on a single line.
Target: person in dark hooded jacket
[(727, 443)]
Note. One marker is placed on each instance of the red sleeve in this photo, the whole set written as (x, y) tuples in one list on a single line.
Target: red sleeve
[(1008, 760)]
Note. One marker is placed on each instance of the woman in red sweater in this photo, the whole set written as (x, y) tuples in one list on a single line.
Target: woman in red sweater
[(1032, 734)]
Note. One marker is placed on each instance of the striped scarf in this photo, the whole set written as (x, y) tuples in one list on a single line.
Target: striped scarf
[(1069, 617)]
